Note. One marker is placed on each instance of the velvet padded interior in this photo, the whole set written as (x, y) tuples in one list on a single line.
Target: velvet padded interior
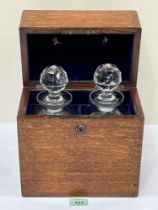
[(79, 55), (80, 104)]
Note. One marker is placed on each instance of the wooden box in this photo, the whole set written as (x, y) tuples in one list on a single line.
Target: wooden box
[(103, 159)]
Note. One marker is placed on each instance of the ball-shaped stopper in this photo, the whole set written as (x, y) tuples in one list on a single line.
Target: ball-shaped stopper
[(54, 79), (107, 77)]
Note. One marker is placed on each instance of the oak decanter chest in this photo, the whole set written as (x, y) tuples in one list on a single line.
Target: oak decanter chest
[(80, 154)]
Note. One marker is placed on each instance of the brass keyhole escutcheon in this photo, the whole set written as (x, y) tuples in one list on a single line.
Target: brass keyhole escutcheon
[(80, 128)]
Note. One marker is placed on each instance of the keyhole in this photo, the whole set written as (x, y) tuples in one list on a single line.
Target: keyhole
[(80, 128)]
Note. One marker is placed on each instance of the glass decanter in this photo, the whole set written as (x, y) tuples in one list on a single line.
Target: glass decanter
[(107, 78), (54, 98)]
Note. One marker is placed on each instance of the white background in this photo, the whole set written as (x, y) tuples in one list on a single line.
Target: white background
[(10, 65), (10, 195)]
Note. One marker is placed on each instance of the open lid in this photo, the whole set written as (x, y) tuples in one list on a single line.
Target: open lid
[(79, 41)]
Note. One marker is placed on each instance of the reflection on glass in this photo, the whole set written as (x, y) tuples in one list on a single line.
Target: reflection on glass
[(54, 80), (107, 78)]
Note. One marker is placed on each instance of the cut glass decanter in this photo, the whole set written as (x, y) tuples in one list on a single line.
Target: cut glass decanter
[(54, 80), (107, 78)]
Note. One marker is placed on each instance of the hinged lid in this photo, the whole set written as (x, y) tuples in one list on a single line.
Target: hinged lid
[(79, 41)]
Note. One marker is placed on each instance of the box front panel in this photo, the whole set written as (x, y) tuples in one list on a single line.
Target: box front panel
[(103, 159)]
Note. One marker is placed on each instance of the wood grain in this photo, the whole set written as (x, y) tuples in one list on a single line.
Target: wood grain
[(54, 159), (80, 19), (80, 22), (103, 161)]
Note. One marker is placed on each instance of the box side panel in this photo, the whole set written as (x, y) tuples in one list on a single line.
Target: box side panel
[(23, 102), (102, 161)]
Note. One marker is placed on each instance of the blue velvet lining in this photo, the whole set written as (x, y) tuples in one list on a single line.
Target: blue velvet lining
[(79, 55), (80, 104)]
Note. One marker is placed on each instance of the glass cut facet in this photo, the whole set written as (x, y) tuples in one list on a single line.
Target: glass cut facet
[(107, 78), (54, 80)]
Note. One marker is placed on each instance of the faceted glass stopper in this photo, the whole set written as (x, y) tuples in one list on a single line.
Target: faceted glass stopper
[(54, 80), (107, 78)]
